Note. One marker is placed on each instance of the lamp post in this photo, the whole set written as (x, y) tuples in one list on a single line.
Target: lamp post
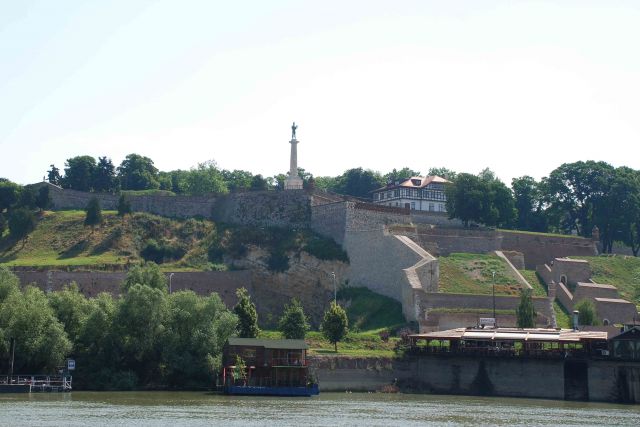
[(335, 292), (493, 286), (170, 276)]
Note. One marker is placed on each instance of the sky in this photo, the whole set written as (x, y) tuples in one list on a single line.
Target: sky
[(517, 86)]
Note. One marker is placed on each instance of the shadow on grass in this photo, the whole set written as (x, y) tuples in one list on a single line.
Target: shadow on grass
[(74, 250), (107, 243)]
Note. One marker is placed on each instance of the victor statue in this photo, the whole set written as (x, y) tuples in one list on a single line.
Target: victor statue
[(293, 130)]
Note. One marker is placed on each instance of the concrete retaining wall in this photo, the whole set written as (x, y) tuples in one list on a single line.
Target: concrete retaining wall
[(541, 249)]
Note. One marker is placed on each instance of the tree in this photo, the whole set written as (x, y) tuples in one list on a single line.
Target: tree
[(71, 309), (237, 180), (571, 190), (9, 283), (43, 199), (586, 312), (40, 340), (53, 176), (94, 213), (444, 173), (78, 173), (358, 183), (530, 215), (335, 324), (258, 183), (137, 172), (526, 312), (293, 323), (3, 224), (104, 176), (27, 198), (124, 206), (206, 178), (247, 315), (402, 174), (148, 274), (21, 223), (9, 194)]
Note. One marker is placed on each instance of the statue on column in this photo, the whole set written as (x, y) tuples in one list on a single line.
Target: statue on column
[(293, 130)]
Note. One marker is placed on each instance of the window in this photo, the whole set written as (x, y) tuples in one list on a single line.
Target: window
[(396, 193), (431, 207), (413, 206), (442, 207)]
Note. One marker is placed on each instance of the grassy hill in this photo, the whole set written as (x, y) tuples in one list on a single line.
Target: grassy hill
[(621, 271), (472, 274)]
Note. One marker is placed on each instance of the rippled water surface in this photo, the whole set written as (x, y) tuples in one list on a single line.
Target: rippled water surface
[(328, 409)]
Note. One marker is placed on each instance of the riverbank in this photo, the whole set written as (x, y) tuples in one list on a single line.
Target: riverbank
[(588, 380)]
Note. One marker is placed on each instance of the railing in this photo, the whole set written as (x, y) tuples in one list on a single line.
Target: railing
[(286, 361), (39, 382), (506, 352)]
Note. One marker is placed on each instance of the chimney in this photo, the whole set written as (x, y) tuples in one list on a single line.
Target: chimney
[(576, 325)]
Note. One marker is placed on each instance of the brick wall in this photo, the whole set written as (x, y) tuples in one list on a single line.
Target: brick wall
[(540, 249), (265, 208)]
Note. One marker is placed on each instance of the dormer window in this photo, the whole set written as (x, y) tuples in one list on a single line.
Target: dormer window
[(416, 182)]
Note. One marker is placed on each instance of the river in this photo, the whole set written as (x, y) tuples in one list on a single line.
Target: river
[(178, 409)]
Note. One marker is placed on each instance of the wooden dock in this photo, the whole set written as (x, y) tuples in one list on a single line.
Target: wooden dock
[(35, 383)]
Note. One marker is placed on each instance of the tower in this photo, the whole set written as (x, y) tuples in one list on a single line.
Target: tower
[(293, 181)]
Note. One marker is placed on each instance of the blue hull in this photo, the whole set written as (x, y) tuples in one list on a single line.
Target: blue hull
[(272, 391)]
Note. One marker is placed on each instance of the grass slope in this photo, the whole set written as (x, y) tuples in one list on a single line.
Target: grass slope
[(536, 282), (356, 344), (623, 272), (368, 310), (61, 239), (467, 273)]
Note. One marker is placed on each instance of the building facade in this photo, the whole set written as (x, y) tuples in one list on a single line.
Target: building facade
[(421, 193)]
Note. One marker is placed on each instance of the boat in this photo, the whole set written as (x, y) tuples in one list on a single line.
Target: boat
[(265, 367)]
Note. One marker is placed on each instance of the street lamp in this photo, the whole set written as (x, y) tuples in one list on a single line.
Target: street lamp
[(493, 285), (335, 292), (170, 276)]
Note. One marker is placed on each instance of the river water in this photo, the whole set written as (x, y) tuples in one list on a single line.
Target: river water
[(178, 409)]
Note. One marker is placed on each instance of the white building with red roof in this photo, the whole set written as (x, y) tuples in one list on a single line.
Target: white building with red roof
[(421, 193)]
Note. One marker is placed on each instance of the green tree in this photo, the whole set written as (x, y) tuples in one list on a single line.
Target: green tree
[(587, 312), (71, 309), (43, 199), (148, 274), (53, 176), (124, 206), (335, 324), (247, 315), (293, 323), (258, 183), (104, 176), (204, 179), (21, 223), (94, 213), (526, 312), (358, 183), (237, 180), (3, 224), (9, 283), (78, 173), (9, 194), (41, 343), (196, 330), (529, 204), (402, 174), (137, 172), (27, 198), (443, 173)]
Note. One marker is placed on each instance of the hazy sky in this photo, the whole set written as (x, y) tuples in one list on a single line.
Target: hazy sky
[(517, 86)]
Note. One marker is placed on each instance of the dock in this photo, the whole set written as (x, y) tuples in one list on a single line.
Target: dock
[(35, 383)]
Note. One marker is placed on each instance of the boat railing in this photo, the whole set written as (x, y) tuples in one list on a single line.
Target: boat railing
[(287, 361), (61, 382)]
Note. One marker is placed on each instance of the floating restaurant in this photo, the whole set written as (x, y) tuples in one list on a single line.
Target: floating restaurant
[(267, 367)]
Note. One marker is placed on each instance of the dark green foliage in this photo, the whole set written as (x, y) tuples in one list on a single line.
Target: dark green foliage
[(94, 213), (367, 310), (444, 173), (27, 198), (358, 183), (325, 248), (237, 180), (293, 324), (9, 283), (529, 204), (278, 262), (137, 172), (21, 223), (124, 205), (43, 199), (104, 176), (148, 274), (71, 309), (247, 315), (335, 324), (402, 174), (205, 179), (160, 252), (258, 183), (3, 224), (587, 313), (481, 199), (9, 194), (526, 312), (53, 176), (78, 173)]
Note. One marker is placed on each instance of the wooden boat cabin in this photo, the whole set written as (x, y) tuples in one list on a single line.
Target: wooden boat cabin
[(264, 366)]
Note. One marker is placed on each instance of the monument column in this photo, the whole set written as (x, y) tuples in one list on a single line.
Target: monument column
[(293, 181)]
